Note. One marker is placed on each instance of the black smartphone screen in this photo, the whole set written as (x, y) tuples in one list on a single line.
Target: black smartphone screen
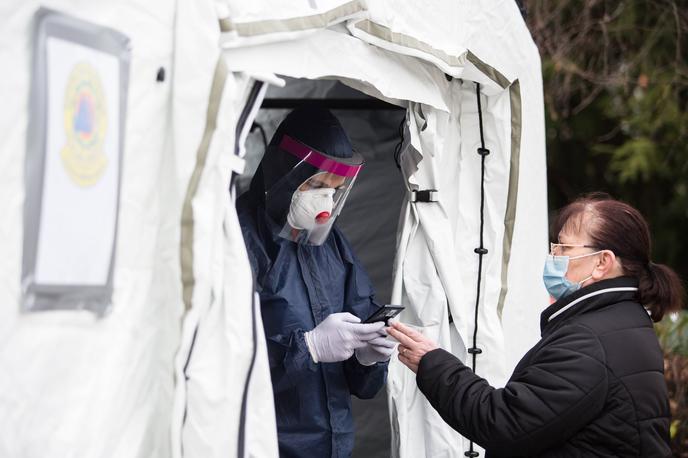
[(384, 313)]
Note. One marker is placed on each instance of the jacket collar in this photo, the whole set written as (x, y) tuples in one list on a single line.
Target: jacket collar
[(595, 296)]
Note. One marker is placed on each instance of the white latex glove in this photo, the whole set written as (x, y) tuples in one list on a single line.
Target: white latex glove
[(377, 350), (338, 336)]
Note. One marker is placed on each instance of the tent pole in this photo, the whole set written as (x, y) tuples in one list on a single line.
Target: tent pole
[(332, 104)]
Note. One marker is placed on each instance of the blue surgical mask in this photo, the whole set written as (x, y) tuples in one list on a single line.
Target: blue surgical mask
[(555, 279)]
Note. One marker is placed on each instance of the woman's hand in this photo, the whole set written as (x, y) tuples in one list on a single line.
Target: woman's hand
[(412, 344)]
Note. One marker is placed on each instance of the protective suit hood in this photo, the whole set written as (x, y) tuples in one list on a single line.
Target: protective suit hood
[(309, 142)]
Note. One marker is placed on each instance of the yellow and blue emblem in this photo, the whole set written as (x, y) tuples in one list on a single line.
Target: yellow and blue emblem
[(85, 123)]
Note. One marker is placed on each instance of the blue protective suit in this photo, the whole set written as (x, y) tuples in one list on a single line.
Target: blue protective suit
[(299, 286)]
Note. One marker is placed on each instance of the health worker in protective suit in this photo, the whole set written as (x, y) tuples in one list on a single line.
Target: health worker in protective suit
[(313, 291)]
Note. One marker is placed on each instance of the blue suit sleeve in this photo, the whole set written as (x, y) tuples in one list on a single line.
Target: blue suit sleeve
[(287, 352), (290, 352), (364, 381)]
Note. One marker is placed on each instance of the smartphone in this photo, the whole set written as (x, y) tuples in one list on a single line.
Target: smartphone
[(385, 314)]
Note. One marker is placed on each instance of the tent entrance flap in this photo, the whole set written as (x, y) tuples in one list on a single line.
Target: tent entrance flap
[(349, 60), (370, 217)]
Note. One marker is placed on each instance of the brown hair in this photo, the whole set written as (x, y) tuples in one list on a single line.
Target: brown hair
[(616, 226)]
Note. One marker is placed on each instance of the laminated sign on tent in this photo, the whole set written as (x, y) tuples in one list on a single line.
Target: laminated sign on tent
[(129, 323)]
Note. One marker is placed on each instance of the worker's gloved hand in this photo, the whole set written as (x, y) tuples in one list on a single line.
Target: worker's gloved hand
[(338, 336), (376, 350)]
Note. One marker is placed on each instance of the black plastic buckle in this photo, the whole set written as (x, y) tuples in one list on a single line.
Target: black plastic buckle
[(474, 351), (483, 151), (480, 250), (424, 195)]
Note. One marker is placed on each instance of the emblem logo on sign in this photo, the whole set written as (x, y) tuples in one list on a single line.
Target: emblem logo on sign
[(85, 123)]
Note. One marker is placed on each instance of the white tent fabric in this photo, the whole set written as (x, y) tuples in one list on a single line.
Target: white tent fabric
[(72, 384), (320, 55), (179, 368), (436, 267), (246, 24), (453, 35), (514, 133), (444, 236), (76, 385), (223, 401)]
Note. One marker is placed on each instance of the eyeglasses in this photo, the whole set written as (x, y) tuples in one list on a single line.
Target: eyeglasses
[(555, 249)]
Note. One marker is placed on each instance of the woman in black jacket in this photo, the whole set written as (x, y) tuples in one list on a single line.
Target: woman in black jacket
[(594, 384)]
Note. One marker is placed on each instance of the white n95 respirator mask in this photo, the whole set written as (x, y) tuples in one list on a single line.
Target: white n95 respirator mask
[(310, 208), (308, 198)]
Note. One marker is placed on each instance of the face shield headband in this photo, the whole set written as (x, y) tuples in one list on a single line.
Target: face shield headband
[(314, 191), (338, 166)]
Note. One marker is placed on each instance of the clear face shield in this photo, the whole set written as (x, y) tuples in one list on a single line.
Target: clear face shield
[(313, 193)]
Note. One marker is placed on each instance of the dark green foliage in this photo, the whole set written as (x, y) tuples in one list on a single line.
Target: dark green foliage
[(616, 93), (616, 98)]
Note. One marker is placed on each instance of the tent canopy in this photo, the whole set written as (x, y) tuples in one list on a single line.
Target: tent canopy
[(135, 382)]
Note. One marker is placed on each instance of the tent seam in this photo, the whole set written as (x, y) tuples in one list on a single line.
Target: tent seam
[(293, 24), (385, 33), (489, 71), (512, 193), (187, 221)]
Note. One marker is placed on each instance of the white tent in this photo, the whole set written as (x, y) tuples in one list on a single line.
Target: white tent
[(177, 366)]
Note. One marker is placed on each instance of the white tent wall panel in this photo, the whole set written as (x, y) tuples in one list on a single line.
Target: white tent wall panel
[(259, 425), (465, 222), (74, 385), (257, 413), (218, 358), (196, 35), (527, 297), (503, 121), (216, 349), (247, 373), (203, 377), (15, 53), (193, 75), (417, 429), (441, 271)]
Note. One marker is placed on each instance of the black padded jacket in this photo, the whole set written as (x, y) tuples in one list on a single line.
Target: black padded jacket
[(592, 386)]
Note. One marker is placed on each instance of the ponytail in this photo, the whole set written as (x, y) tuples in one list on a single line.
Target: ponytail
[(660, 290)]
